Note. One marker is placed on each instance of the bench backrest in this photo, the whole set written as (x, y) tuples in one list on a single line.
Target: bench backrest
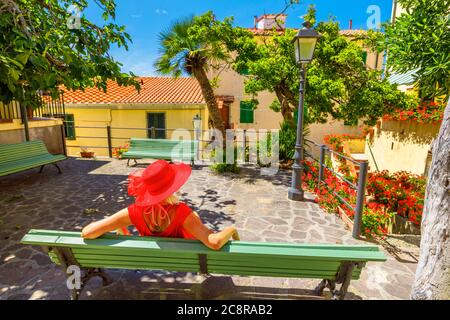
[(321, 261), (162, 144), (10, 153)]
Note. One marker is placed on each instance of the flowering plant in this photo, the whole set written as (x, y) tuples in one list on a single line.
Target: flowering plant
[(400, 193), (425, 112), (118, 152)]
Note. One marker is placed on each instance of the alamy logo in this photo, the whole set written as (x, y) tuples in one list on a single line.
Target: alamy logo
[(74, 278), (374, 19)]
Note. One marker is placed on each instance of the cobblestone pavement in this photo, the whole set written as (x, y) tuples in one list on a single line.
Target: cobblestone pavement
[(256, 204)]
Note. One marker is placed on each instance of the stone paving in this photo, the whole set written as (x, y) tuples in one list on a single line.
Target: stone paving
[(256, 204)]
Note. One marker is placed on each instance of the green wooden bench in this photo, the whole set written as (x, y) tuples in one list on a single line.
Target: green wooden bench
[(179, 150), (26, 155), (333, 263)]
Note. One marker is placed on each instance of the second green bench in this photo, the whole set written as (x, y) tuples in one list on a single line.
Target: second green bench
[(174, 150)]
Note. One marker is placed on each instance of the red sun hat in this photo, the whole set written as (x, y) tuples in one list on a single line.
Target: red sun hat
[(157, 182)]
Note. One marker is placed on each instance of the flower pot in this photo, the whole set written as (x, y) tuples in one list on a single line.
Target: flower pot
[(401, 225), (87, 154), (348, 222)]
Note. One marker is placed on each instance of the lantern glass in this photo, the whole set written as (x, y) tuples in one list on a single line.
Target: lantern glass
[(197, 121), (304, 49)]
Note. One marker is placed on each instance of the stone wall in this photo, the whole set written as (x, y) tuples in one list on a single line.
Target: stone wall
[(51, 134)]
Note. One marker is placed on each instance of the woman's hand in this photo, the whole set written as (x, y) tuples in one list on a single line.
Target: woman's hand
[(194, 225), (236, 236)]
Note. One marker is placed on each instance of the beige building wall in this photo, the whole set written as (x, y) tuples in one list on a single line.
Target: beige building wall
[(126, 121), (231, 83), (401, 146)]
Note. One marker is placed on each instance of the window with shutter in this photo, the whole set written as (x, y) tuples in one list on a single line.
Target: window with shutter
[(364, 57), (69, 126), (247, 112)]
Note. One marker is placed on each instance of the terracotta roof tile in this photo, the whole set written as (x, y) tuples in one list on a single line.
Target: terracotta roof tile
[(154, 90), (345, 32)]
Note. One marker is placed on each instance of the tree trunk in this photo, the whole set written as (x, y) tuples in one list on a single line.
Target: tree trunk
[(433, 271), (210, 98), (286, 111)]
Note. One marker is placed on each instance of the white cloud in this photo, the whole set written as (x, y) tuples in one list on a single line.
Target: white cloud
[(136, 16), (161, 11)]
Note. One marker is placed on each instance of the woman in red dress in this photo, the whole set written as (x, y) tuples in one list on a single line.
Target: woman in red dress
[(157, 211)]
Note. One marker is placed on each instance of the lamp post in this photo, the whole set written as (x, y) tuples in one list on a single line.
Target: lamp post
[(197, 121), (305, 43)]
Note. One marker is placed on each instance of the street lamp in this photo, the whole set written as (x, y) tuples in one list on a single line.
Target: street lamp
[(305, 43), (197, 121)]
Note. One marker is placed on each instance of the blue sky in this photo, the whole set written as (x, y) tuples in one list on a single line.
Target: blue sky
[(144, 19)]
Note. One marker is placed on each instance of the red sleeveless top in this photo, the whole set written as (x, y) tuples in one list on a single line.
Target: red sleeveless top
[(175, 228)]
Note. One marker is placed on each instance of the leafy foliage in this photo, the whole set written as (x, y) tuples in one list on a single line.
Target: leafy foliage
[(338, 82), (38, 50), (192, 46), (420, 39)]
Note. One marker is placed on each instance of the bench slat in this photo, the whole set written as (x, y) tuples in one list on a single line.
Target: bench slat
[(234, 247), (161, 149)]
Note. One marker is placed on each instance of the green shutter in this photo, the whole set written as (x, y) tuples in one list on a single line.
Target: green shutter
[(69, 127), (364, 56), (247, 112)]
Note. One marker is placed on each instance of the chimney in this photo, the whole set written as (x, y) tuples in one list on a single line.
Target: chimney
[(255, 21), (350, 25), (269, 21)]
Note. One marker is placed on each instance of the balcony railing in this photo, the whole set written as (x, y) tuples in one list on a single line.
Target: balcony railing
[(48, 107)]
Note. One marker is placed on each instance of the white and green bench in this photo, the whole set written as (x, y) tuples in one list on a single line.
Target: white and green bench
[(26, 155), (333, 263), (174, 150)]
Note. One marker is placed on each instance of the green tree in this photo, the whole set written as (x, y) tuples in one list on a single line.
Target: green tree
[(39, 50), (194, 45), (420, 40), (338, 82)]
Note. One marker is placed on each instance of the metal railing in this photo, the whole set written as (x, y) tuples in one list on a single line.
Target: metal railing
[(108, 135), (359, 187), (48, 107), (10, 111)]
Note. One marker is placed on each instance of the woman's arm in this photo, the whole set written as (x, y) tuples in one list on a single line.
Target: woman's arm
[(212, 240), (98, 228)]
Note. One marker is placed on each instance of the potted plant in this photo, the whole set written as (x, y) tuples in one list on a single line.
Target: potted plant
[(85, 153), (118, 152)]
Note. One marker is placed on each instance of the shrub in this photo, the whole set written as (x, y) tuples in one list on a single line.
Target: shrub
[(399, 193), (225, 167), (287, 139)]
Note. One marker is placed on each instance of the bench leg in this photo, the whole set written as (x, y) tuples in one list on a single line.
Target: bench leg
[(59, 169), (90, 273), (340, 294), (343, 278), (41, 169), (128, 162)]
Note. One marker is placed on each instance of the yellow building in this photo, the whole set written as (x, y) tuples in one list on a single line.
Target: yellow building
[(162, 106)]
